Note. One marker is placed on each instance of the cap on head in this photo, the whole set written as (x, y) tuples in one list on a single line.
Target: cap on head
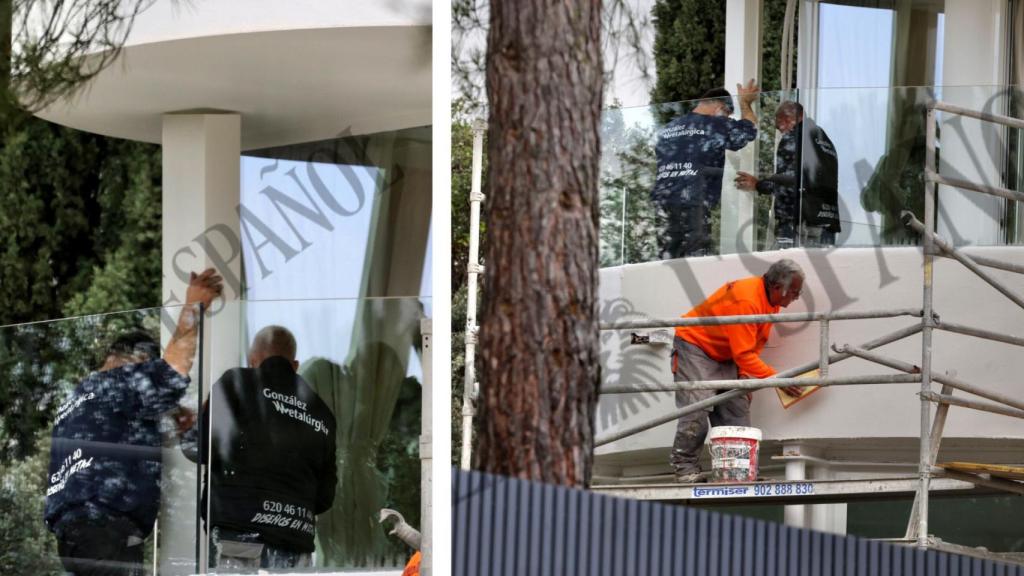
[(272, 340), (719, 95), (134, 346)]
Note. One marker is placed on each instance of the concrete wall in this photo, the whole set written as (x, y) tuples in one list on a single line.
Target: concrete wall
[(841, 279)]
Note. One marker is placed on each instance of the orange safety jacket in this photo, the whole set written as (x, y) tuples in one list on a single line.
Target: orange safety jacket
[(413, 567), (741, 343)]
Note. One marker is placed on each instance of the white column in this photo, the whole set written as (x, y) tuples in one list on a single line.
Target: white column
[(826, 517), (807, 46), (806, 463), (795, 515), (201, 183), (974, 62), (742, 62), (807, 57)]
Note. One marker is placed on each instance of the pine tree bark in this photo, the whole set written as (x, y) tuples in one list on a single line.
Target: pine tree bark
[(539, 339)]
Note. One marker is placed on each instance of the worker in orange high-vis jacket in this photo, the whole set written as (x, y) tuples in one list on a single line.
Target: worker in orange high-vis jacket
[(726, 353)]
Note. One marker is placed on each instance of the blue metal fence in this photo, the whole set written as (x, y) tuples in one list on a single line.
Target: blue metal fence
[(508, 527)]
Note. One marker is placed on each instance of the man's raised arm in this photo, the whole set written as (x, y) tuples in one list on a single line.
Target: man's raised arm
[(181, 350), (747, 95)]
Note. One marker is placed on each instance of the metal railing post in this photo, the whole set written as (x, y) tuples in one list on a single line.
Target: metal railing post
[(474, 270), (924, 465), (823, 353), (426, 450), (936, 437)]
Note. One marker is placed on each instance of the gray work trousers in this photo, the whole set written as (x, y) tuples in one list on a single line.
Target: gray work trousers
[(690, 364)]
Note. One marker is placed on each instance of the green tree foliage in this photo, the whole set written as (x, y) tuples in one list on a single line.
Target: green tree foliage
[(127, 272), (773, 14), (689, 48), (81, 223), (462, 174)]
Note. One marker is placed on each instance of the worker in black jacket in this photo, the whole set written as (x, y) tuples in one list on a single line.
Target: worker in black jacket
[(272, 465), (103, 490), (805, 185)]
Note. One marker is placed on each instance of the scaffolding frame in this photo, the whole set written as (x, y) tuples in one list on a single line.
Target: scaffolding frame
[(930, 430), (474, 269)]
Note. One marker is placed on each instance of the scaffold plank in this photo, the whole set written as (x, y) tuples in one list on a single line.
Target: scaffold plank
[(785, 492)]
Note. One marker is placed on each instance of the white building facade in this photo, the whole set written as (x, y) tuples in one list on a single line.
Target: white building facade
[(296, 145), (863, 71)]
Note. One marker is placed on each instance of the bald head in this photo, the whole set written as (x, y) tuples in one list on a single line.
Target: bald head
[(272, 341)]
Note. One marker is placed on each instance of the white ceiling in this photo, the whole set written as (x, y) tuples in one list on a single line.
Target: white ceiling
[(288, 85)]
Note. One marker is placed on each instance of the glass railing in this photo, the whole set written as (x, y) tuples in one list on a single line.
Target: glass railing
[(827, 168), (309, 464), (101, 443), (90, 418)]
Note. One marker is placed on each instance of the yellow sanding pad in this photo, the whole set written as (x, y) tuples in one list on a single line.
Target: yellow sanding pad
[(788, 400)]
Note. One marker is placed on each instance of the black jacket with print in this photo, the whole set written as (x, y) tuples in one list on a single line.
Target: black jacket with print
[(272, 467)]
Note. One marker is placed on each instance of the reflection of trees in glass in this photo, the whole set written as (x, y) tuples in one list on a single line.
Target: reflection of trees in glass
[(83, 232), (628, 229), (377, 410), (41, 363), (897, 182), (85, 238), (398, 459), (629, 223), (766, 136), (689, 55), (39, 366), (27, 546)]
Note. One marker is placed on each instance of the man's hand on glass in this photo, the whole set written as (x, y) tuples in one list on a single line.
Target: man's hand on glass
[(745, 181), (204, 288), (748, 92)]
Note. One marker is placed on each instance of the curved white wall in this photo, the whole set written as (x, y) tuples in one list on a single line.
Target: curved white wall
[(177, 20), (296, 71), (843, 279)]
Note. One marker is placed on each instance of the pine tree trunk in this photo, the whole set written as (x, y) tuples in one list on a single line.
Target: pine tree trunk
[(539, 341)]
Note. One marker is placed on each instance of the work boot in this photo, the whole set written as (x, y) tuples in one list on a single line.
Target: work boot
[(690, 477)]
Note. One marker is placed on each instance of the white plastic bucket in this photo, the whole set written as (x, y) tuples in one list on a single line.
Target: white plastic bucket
[(734, 453)]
